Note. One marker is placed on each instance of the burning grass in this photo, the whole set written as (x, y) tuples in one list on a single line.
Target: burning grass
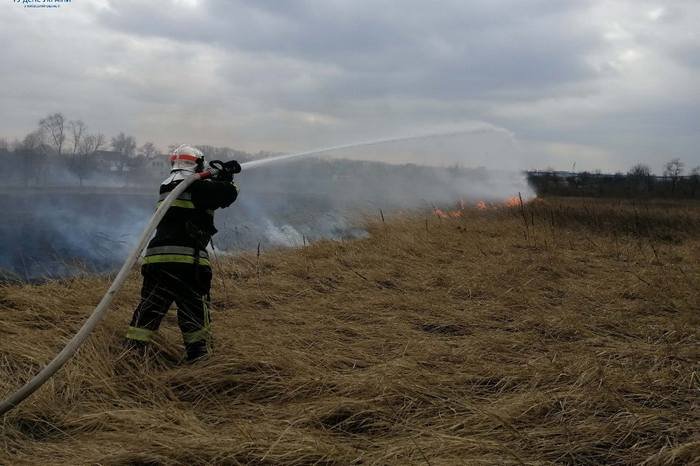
[(554, 332)]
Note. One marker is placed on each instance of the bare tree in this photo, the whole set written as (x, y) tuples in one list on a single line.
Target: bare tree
[(84, 161), (124, 144), (35, 141), (640, 171), (77, 130), (144, 155), (54, 126), (92, 143), (641, 176), (148, 150), (33, 150), (674, 169)]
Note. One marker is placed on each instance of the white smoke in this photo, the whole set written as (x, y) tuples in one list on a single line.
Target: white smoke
[(282, 235), (283, 204)]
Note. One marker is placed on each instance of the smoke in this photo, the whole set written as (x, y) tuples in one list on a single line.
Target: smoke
[(64, 231), (283, 235), (55, 233), (289, 220), (296, 203)]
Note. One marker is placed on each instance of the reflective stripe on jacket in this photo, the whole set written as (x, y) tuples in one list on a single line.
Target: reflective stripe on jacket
[(188, 225), (184, 200), (179, 254)]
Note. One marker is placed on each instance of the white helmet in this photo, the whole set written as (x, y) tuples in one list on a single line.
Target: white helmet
[(184, 161)]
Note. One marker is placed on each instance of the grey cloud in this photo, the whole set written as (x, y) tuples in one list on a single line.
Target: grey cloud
[(454, 50), (688, 55), (285, 75)]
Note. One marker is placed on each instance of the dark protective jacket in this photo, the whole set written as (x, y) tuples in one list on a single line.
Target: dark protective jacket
[(188, 225)]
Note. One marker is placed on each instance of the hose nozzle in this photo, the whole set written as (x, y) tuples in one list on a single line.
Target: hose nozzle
[(217, 168)]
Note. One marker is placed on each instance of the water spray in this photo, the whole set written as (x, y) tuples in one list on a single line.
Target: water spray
[(100, 311)]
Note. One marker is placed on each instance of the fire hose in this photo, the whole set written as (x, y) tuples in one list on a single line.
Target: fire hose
[(215, 167)]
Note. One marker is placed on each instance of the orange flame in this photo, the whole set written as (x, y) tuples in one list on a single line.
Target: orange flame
[(513, 201), (461, 208), (449, 213)]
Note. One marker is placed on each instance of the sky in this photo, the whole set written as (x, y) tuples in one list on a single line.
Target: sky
[(532, 83)]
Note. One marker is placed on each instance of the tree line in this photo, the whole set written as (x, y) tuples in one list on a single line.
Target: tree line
[(60, 146), (639, 181), (65, 149), (61, 151)]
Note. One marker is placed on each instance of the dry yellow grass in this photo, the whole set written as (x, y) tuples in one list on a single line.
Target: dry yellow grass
[(565, 332)]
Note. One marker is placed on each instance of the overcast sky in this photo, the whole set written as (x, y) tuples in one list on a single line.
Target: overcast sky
[(602, 84)]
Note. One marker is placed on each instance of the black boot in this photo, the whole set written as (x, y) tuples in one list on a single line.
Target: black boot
[(136, 347), (197, 351), (134, 352)]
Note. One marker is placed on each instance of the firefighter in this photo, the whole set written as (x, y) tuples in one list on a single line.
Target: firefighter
[(176, 264)]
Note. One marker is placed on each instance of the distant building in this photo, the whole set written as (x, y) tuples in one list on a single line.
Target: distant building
[(159, 165), (112, 161)]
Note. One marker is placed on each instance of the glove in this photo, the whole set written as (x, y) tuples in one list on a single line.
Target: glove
[(227, 171), (232, 166), (225, 176)]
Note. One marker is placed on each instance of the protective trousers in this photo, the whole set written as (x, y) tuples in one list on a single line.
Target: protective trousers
[(188, 286)]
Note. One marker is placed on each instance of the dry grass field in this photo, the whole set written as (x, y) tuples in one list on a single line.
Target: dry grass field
[(560, 332)]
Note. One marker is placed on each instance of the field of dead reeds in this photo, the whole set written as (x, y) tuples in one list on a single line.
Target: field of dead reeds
[(559, 332)]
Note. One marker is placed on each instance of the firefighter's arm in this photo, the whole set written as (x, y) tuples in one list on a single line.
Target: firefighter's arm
[(213, 194)]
